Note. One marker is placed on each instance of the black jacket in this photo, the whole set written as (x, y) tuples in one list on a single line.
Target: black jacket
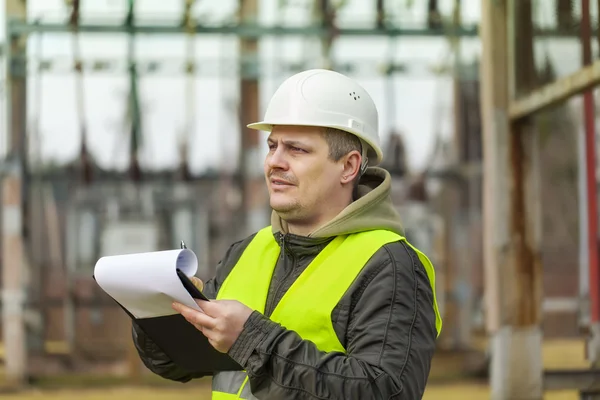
[(386, 320)]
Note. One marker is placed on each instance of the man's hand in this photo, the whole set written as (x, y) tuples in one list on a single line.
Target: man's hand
[(222, 320)]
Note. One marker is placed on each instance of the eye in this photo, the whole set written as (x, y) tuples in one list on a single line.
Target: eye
[(298, 149), (272, 146)]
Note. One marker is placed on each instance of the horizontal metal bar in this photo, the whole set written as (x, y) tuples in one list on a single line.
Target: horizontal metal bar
[(582, 380), (242, 30), (254, 31), (221, 67), (556, 92), (461, 171), (561, 304)]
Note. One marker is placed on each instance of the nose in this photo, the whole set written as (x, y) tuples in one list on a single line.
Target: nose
[(276, 159)]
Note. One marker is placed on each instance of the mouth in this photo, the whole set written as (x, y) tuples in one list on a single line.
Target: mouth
[(280, 182)]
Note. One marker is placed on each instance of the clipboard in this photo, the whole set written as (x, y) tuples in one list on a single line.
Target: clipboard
[(185, 345)]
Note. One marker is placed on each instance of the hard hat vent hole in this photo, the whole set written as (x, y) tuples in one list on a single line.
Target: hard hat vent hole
[(353, 94)]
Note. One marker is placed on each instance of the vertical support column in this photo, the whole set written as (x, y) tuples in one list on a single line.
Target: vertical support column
[(511, 217), (564, 13), (190, 92), (326, 12), (584, 263), (14, 335), (13, 294), (434, 19), (462, 276), (494, 103), (135, 138), (526, 204), (593, 345), (249, 166), (380, 14), (72, 242)]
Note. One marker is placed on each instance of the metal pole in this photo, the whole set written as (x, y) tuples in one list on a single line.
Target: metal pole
[(584, 254), (13, 266), (326, 13), (252, 31), (464, 279), (186, 138), (592, 204), (13, 293), (249, 111), (134, 104)]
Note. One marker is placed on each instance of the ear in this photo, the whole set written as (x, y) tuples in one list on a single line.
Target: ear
[(351, 167)]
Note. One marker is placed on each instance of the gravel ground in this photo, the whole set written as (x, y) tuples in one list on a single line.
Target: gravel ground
[(434, 392)]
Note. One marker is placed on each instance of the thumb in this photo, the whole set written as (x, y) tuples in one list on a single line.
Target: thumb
[(197, 282), (211, 308)]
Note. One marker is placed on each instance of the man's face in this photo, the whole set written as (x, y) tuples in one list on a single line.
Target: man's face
[(300, 175)]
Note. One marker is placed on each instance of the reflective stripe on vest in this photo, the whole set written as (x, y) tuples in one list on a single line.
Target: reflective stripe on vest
[(313, 295)]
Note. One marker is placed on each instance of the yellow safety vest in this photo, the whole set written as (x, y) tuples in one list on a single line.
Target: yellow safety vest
[(306, 307)]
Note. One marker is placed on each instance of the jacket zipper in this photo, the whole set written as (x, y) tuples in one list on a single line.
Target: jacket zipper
[(275, 294), (282, 245)]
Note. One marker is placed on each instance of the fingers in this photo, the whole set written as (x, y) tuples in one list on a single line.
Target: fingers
[(197, 282), (197, 318)]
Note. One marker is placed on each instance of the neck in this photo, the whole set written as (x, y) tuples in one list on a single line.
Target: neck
[(304, 227)]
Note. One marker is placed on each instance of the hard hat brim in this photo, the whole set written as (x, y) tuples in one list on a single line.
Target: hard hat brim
[(268, 126)]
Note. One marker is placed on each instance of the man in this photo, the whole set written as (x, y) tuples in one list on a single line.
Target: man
[(330, 301)]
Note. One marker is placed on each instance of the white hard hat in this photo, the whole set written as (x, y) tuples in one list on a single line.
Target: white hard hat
[(324, 98)]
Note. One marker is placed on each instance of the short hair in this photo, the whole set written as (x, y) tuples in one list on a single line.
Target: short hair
[(340, 143)]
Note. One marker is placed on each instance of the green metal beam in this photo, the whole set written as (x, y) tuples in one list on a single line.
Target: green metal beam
[(17, 27), (251, 69)]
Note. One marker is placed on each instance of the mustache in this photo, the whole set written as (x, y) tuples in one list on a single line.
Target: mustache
[(284, 177)]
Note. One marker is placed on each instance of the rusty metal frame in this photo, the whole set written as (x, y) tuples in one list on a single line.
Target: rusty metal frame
[(555, 92), (520, 110), (581, 82)]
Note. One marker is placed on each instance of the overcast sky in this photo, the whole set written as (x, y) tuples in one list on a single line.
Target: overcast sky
[(423, 106)]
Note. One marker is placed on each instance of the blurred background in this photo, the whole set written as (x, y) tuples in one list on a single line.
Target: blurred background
[(123, 130)]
